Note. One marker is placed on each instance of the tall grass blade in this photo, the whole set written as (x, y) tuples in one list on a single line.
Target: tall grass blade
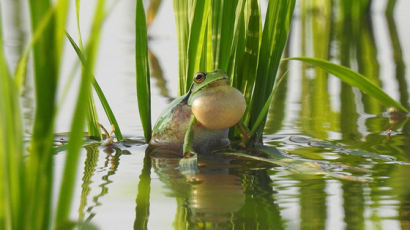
[(46, 59), (182, 29), (223, 20), (274, 36), (103, 100), (204, 60), (94, 130), (352, 78), (197, 27), (76, 134), (61, 18), (77, 14), (238, 44), (268, 102), (21, 68), (142, 70), (11, 151), (208, 45), (248, 60), (107, 109)]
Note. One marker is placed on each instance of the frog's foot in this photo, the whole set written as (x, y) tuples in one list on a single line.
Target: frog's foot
[(188, 165), (245, 133), (109, 138)]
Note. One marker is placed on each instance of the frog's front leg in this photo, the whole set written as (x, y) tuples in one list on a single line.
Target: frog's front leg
[(189, 163)]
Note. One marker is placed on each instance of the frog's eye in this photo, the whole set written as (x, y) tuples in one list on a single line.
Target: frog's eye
[(199, 77)]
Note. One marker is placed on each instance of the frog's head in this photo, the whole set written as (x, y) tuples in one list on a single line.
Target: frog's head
[(214, 103), (204, 80)]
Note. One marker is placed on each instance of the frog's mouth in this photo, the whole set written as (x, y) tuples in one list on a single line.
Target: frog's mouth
[(219, 82)]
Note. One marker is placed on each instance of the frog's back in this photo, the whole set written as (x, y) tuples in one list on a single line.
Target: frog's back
[(172, 124)]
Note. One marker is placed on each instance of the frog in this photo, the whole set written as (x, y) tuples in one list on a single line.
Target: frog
[(199, 121)]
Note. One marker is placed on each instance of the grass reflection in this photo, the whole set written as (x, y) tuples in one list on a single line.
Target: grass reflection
[(400, 70), (313, 207), (316, 20), (143, 195), (111, 163), (90, 165)]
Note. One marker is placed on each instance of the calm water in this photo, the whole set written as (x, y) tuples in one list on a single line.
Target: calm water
[(316, 119)]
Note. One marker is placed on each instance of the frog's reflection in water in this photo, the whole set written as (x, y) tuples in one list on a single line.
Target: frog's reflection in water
[(220, 194), (211, 195)]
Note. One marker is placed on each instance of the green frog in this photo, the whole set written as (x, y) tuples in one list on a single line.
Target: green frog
[(199, 121)]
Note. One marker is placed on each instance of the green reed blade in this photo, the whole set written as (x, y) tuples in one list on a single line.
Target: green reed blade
[(261, 117), (352, 78), (77, 14), (108, 111), (94, 130), (181, 21), (208, 44), (21, 68), (76, 134), (238, 44), (197, 27), (11, 149), (203, 63), (103, 100), (223, 20), (248, 61), (142, 70), (46, 59), (275, 34), (60, 22)]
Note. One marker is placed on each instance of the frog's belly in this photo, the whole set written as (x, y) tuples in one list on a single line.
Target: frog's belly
[(204, 141)]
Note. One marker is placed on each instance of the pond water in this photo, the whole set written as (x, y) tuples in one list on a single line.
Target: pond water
[(316, 119)]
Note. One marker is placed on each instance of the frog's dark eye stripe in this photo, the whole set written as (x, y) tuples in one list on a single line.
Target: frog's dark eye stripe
[(199, 77)]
